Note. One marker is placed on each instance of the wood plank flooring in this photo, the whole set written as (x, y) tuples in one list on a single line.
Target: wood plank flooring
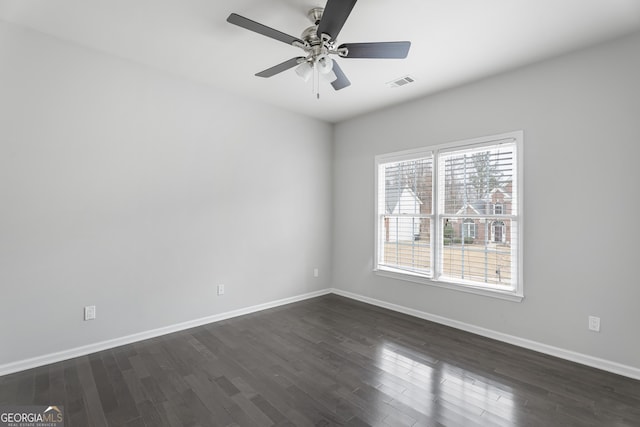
[(323, 362)]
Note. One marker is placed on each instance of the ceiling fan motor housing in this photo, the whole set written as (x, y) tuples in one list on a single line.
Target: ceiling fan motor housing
[(310, 35), (318, 47)]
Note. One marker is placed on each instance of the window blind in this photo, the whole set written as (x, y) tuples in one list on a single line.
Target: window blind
[(478, 206), (405, 197)]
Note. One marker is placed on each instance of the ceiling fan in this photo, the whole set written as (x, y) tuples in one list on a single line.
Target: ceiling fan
[(319, 43)]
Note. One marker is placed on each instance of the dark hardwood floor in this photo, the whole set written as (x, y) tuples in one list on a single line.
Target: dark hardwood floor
[(326, 361)]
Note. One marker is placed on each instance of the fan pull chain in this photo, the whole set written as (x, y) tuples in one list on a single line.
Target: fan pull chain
[(316, 78)]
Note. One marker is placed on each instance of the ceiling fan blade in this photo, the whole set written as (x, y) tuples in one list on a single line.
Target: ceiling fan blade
[(390, 50), (269, 72), (342, 81), (334, 16), (257, 27)]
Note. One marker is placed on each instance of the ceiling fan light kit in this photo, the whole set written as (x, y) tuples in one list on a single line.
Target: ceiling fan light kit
[(304, 70), (325, 65), (319, 43)]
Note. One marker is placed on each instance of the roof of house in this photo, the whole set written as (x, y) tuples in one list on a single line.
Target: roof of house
[(506, 195), (393, 196), (482, 207)]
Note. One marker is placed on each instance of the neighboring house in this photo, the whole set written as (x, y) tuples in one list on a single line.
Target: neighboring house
[(497, 202), (402, 202)]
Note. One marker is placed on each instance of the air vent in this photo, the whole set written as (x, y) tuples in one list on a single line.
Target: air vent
[(401, 81)]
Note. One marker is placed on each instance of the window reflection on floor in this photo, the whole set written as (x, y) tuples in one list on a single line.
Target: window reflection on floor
[(441, 391)]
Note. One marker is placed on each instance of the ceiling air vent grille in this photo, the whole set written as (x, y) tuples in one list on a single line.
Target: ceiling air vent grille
[(401, 81)]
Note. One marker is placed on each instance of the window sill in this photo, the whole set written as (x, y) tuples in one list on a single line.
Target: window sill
[(417, 278)]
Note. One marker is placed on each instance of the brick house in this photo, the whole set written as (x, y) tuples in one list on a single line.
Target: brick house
[(495, 230)]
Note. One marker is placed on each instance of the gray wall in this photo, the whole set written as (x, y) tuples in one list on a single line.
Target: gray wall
[(138, 192), (581, 117)]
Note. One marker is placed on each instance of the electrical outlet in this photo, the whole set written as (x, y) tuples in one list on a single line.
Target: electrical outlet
[(316, 273), (90, 312), (220, 289), (594, 323)]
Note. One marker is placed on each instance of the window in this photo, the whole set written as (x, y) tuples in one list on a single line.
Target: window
[(405, 214), (498, 232), (469, 228), (438, 221)]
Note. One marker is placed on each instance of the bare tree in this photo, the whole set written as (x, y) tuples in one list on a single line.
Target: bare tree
[(485, 174)]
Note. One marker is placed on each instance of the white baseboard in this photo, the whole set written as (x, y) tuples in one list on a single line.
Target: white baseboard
[(606, 365), (594, 362), (35, 362)]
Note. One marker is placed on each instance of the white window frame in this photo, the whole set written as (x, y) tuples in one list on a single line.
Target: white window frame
[(469, 228), (495, 208), (516, 293)]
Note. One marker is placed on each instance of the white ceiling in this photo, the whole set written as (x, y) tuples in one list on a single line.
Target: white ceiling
[(453, 41)]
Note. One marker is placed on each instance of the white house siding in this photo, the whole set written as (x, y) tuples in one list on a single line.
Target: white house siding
[(405, 228)]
